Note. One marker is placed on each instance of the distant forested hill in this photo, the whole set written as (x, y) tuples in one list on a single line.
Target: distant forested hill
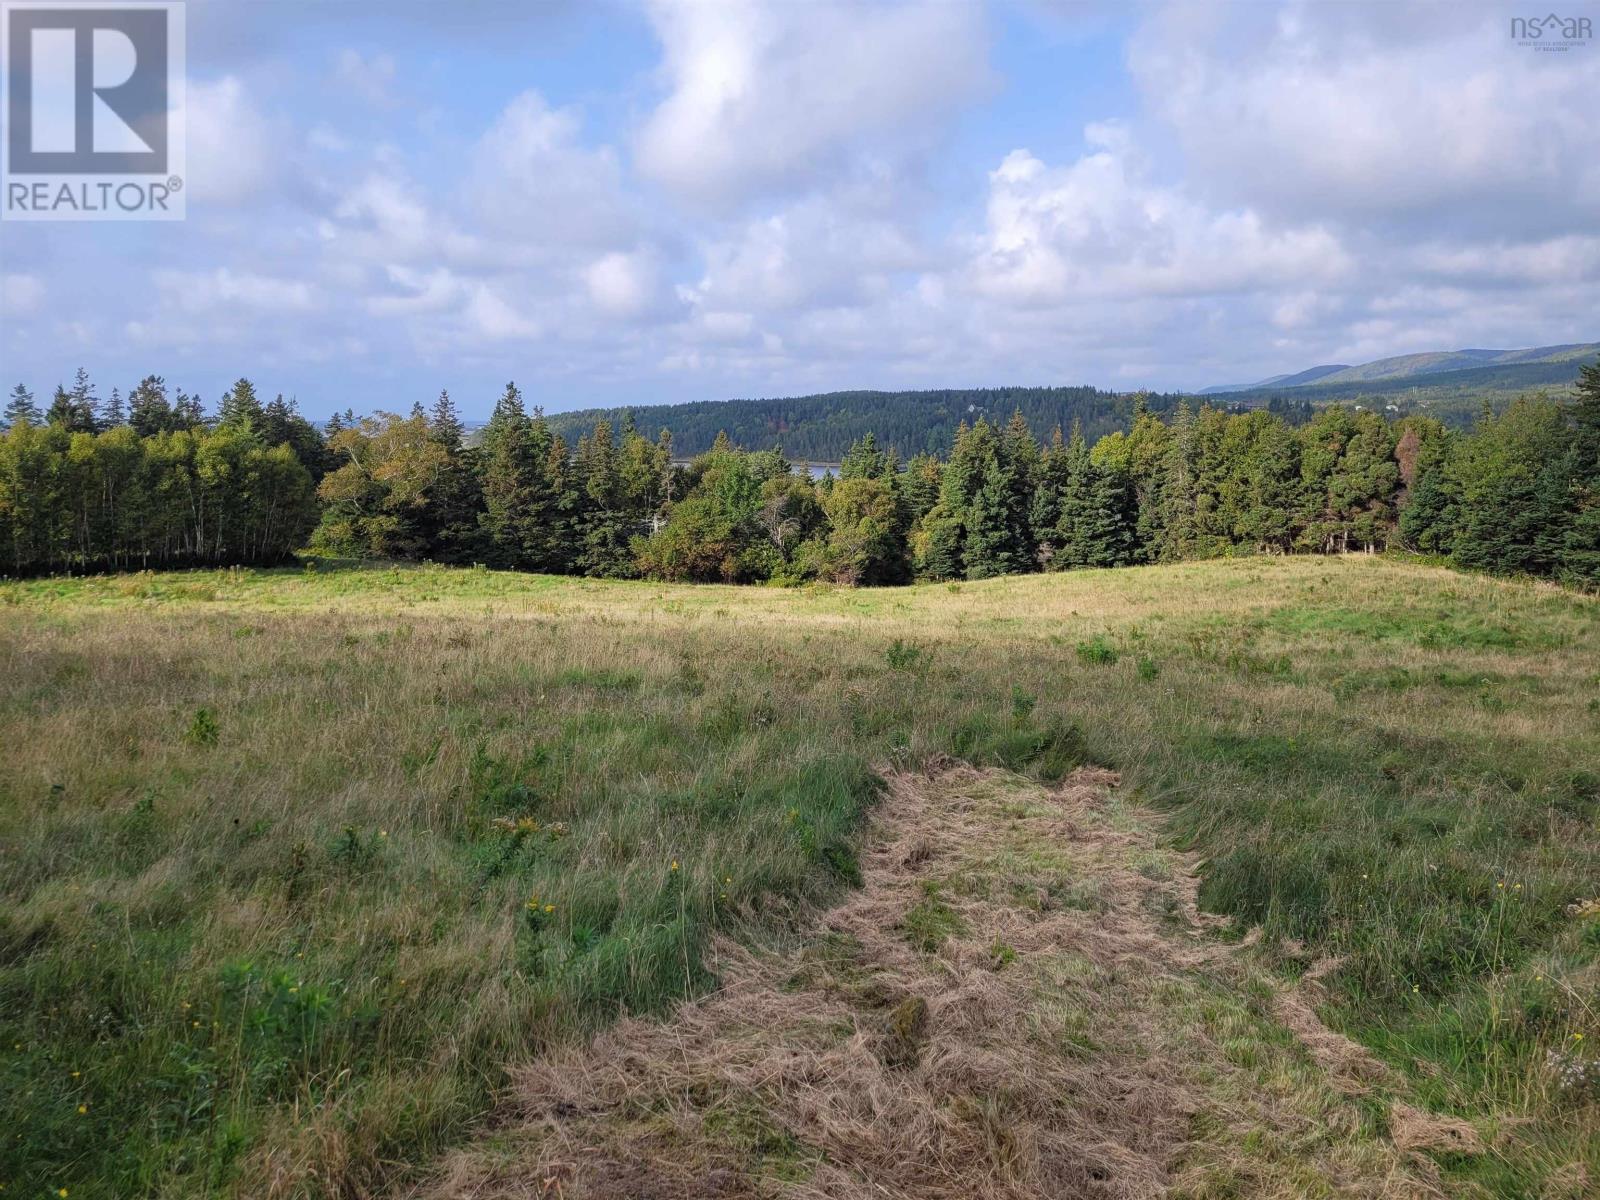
[(1454, 397), (822, 428)]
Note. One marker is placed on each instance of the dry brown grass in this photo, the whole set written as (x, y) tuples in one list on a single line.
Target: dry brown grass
[(1050, 1045)]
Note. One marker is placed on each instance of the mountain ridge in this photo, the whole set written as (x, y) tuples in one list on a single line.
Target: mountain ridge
[(1406, 366)]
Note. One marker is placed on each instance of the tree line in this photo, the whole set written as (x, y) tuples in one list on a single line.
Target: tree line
[(154, 481)]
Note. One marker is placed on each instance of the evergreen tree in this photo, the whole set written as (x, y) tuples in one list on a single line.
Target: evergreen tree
[(1044, 507), (1178, 488), (992, 546), (509, 467), (114, 415), (1110, 535), (1019, 453), (607, 527), (918, 489), (240, 408), (865, 460), (148, 410), (1577, 557), (61, 412), (1507, 509), (75, 411), (188, 412), (20, 407), (445, 423), (85, 404), (1077, 534)]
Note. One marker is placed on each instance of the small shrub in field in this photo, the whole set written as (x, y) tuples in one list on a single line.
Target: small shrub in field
[(907, 656), (1148, 670), (203, 729), (1097, 652), (1022, 703)]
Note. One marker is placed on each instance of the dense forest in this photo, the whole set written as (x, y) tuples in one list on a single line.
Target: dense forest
[(821, 428), (154, 481)]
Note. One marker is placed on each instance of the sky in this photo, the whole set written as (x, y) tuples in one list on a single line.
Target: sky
[(643, 202)]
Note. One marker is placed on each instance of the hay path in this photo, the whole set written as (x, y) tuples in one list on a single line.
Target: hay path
[(1022, 1000)]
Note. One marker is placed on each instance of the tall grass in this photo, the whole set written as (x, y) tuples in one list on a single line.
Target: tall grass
[(296, 864)]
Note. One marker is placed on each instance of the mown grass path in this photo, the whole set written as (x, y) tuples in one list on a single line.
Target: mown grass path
[(1021, 1001)]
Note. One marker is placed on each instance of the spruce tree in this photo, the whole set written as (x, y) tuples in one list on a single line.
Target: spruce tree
[(1177, 488), (605, 526), (1577, 557), (240, 407), (445, 423), (453, 531), (992, 546), (508, 467), (20, 407), (61, 411), (148, 410), (85, 404), (188, 412), (864, 460), (282, 424), (1077, 529), (1019, 453), (1044, 507), (919, 488)]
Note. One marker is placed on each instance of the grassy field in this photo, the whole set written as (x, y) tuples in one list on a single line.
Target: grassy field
[(297, 867)]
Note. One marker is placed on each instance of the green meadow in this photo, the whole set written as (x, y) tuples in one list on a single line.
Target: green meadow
[(297, 866)]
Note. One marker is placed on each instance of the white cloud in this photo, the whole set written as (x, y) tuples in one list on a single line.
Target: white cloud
[(21, 294), (1391, 113), (826, 250), (1097, 227), (497, 319), (236, 155), (624, 285), (535, 182), (205, 292), (769, 96)]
